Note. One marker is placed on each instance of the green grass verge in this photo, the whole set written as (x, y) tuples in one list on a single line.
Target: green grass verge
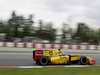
[(52, 71)]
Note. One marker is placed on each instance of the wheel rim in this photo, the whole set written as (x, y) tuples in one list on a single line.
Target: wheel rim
[(43, 61), (83, 60)]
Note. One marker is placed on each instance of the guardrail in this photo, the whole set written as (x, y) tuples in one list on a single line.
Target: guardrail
[(50, 46)]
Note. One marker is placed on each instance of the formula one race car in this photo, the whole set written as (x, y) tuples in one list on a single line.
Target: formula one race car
[(46, 57)]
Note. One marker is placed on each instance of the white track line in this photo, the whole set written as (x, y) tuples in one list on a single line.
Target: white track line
[(29, 67), (67, 66), (52, 66), (78, 66)]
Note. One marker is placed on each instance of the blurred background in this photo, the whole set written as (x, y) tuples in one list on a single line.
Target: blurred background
[(51, 21), (23, 29)]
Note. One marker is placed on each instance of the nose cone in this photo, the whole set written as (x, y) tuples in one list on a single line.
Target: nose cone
[(92, 61)]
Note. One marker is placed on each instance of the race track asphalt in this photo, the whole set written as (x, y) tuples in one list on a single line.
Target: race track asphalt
[(25, 58)]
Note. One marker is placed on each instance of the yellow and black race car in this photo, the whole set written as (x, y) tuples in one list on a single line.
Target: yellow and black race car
[(45, 57)]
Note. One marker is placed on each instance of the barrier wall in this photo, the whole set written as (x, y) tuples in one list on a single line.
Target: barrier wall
[(50, 46)]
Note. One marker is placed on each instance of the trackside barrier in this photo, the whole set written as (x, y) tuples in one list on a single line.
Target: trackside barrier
[(1, 44), (38, 46), (29, 45), (65, 46), (47, 46), (50, 46), (92, 47), (83, 47), (57, 46), (98, 47), (20, 45), (9, 44), (76, 47)]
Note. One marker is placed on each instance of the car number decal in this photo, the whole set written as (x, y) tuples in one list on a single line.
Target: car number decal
[(50, 53)]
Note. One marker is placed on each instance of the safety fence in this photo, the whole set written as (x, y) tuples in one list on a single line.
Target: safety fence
[(50, 46)]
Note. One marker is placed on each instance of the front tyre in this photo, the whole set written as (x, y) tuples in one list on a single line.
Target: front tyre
[(44, 61), (83, 60)]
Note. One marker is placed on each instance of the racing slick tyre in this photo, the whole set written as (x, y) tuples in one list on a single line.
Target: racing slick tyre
[(83, 60), (44, 61)]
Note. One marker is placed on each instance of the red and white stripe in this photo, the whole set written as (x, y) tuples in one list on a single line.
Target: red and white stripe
[(50, 46)]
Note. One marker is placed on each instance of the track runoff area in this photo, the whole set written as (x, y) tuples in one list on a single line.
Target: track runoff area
[(24, 60)]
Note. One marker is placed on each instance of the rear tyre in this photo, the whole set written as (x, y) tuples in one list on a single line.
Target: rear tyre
[(83, 60), (44, 61)]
